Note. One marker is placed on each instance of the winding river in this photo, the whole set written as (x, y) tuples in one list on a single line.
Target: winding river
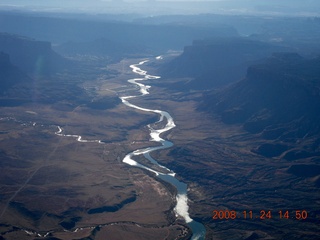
[(166, 122), (181, 208)]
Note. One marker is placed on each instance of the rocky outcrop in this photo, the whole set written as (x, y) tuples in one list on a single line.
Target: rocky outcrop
[(31, 56), (9, 74), (280, 101), (278, 98), (217, 62)]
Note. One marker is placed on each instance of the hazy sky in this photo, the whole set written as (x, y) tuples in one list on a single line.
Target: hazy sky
[(152, 7)]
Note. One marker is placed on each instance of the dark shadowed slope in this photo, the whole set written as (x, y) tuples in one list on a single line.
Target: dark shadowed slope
[(33, 57), (9, 74), (279, 99), (30, 71), (217, 62)]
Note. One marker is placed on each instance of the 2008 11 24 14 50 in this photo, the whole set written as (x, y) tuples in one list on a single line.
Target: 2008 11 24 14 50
[(263, 214)]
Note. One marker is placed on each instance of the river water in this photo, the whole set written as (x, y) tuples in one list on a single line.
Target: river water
[(181, 209)]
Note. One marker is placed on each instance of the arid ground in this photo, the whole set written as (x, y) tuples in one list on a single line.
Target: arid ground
[(50, 183)]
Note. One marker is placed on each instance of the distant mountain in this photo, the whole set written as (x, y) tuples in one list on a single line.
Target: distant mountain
[(10, 74), (62, 29), (217, 62), (98, 47), (279, 99), (33, 57)]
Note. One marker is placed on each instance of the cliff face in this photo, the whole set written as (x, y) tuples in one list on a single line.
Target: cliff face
[(9, 74), (285, 89), (25, 63), (214, 63), (278, 98), (31, 56)]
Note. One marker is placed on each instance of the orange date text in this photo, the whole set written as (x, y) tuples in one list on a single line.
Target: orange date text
[(262, 214)]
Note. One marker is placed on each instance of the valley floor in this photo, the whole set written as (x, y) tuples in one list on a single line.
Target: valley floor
[(50, 183)]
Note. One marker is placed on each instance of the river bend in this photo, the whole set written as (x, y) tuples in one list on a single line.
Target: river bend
[(181, 208)]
